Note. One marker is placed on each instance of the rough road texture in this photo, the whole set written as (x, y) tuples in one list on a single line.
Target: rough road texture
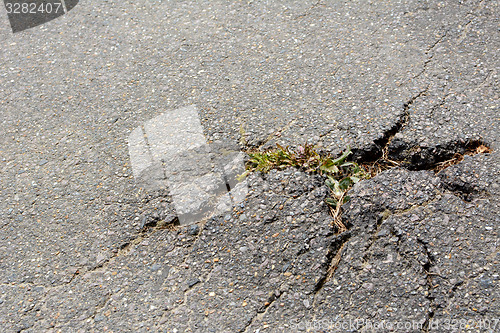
[(82, 247)]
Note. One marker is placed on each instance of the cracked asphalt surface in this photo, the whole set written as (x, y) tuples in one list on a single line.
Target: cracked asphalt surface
[(418, 79)]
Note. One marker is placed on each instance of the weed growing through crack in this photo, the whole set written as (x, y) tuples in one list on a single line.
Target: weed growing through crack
[(340, 173)]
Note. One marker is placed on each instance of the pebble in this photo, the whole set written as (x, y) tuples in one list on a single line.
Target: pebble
[(193, 230), (193, 282)]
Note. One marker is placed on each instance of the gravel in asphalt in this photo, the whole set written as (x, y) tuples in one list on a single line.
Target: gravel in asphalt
[(83, 246)]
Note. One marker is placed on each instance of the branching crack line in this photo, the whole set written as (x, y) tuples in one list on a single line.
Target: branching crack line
[(73, 276), (277, 133), (180, 303), (193, 244), (430, 286), (463, 35), (101, 305), (147, 231), (261, 312), (406, 111), (486, 81), (182, 264), (381, 144), (439, 40), (429, 58), (387, 214), (333, 259), (441, 104), (426, 267), (308, 11), (373, 238), (189, 289), (424, 68), (123, 249), (424, 204), (340, 239)]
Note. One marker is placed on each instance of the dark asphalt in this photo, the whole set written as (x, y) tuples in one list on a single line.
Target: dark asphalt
[(421, 247)]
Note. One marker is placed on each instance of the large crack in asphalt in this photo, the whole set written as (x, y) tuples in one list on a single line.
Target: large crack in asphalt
[(399, 155), (375, 153), (395, 153), (383, 148), (379, 148)]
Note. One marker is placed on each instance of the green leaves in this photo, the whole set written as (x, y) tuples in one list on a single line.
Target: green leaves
[(329, 166), (341, 175), (331, 202), (342, 157)]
